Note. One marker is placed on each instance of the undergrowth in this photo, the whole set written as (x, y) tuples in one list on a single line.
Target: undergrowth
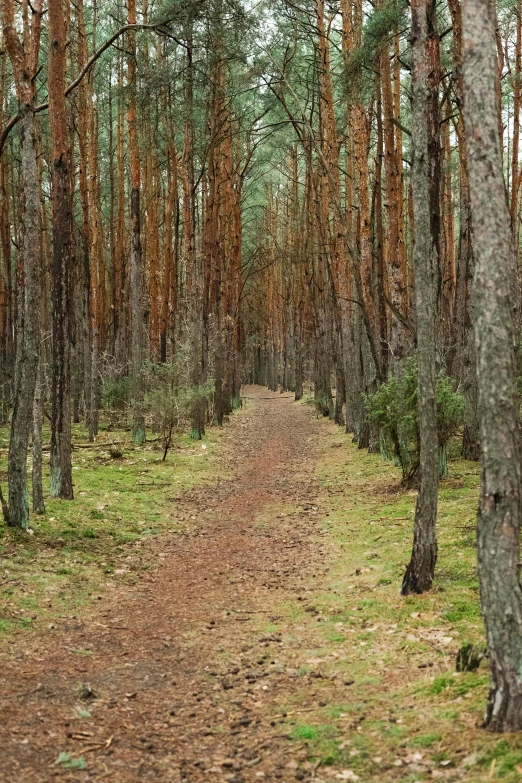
[(77, 548), (399, 710), (375, 689)]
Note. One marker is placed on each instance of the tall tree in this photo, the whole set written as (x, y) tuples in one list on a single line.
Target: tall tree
[(419, 574), (23, 54), (500, 510), (61, 470), (136, 261), (461, 359), (399, 342)]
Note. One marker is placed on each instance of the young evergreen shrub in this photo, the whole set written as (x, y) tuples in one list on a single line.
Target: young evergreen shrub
[(171, 397), (116, 394), (394, 409), (321, 406)]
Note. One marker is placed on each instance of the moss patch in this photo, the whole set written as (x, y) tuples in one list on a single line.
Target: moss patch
[(78, 544), (382, 673)]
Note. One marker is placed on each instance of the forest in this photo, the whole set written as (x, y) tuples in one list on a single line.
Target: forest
[(260, 390)]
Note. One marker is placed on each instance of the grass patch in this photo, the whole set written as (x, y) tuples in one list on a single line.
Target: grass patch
[(425, 740), (505, 759), (304, 732), (78, 546), (68, 762), (383, 667)]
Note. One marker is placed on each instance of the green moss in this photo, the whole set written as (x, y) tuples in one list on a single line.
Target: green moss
[(503, 758), (441, 683), (77, 544), (463, 610), (425, 740), (336, 637), (89, 533), (336, 710), (458, 685), (68, 762), (127, 537), (314, 734), (304, 732), (397, 657)]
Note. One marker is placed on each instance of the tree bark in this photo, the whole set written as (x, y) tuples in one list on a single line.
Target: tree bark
[(61, 471), (136, 270), (28, 343), (37, 488), (24, 61), (500, 509), (399, 338), (461, 359), (515, 166), (419, 574)]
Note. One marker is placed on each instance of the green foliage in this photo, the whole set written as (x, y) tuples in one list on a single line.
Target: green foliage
[(379, 27), (321, 405), (462, 610), (116, 394), (67, 761), (441, 683), (503, 758), (304, 732), (394, 409), (89, 533), (426, 740), (171, 396)]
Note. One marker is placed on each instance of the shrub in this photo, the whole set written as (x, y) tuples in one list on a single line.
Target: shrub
[(171, 397), (394, 409), (116, 393)]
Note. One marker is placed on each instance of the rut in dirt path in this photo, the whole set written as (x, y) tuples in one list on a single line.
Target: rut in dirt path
[(184, 665)]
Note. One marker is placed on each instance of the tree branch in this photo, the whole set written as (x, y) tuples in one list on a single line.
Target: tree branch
[(84, 71)]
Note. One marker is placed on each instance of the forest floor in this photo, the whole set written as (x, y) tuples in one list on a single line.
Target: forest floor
[(233, 615)]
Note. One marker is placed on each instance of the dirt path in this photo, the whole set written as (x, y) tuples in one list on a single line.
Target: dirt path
[(185, 666)]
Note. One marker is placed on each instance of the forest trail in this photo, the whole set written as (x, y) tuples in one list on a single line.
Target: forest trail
[(185, 666)]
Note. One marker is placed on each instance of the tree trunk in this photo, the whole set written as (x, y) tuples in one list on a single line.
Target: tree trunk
[(119, 272), (461, 359), (61, 470), (419, 574), (136, 271), (24, 61), (500, 510), (38, 496), (399, 339), (28, 343), (447, 230), (515, 166), (169, 300)]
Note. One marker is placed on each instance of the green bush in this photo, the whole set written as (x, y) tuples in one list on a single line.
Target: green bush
[(394, 409), (171, 397), (116, 394)]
